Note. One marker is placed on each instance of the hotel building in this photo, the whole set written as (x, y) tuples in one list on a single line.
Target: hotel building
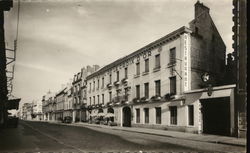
[(159, 85)]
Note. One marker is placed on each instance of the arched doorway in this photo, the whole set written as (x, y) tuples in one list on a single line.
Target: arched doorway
[(126, 116), (111, 110)]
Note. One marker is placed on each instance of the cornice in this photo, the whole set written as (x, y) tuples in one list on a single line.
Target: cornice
[(159, 42)]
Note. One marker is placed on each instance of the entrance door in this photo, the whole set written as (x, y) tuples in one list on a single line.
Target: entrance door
[(216, 116), (84, 115), (127, 117), (111, 110)]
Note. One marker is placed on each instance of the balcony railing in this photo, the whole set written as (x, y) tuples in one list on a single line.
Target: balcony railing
[(172, 63), (156, 98), (109, 86), (157, 69), (136, 75), (145, 73), (124, 80), (117, 83)]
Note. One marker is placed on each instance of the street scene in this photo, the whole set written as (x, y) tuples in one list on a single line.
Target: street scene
[(123, 76)]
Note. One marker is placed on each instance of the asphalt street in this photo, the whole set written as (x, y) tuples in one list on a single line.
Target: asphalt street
[(47, 137)]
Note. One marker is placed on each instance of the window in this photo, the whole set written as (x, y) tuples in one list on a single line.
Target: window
[(126, 94), (110, 78), (117, 93), (126, 72), (93, 85), (137, 68), (157, 61), (190, 114), (98, 84), (146, 90), (94, 100), (173, 115), (137, 91), (98, 99), (158, 115), (89, 86), (158, 88), (146, 115), (117, 76), (172, 56), (137, 115), (110, 96), (103, 98), (146, 65), (103, 82), (89, 100), (173, 85)]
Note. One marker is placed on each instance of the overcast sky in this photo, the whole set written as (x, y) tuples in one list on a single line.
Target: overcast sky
[(57, 38)]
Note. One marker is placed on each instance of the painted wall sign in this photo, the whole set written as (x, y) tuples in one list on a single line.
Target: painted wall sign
[(186, 60), (132, 60)]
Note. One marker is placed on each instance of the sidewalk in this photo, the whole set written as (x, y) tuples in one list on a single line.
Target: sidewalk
[(174, 134)]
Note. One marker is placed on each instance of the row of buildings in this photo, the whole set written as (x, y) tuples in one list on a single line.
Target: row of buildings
[(178, 82), (32, 111)]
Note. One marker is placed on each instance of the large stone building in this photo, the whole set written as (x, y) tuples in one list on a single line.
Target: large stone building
[(79, 92), (159, 85)]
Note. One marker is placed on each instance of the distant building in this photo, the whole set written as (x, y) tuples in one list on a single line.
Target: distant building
[(59, 101), (48, 101), (37, 110), (27, 110), (68, 103)]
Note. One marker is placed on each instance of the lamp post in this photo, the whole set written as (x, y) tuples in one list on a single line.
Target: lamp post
[(206, 78)]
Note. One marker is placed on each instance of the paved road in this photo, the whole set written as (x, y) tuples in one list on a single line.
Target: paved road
[(45, 137)]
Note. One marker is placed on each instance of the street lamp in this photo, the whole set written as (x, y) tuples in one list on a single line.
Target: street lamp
[(207, 80)]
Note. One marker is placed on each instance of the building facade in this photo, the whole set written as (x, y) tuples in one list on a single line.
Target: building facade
[(240, 54), (59, 104), (77, 99), (79, 93), (37, 110), (68, 103), (47, 106), (151, 87)]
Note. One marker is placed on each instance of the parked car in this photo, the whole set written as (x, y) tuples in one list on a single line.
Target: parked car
[(67, 119)]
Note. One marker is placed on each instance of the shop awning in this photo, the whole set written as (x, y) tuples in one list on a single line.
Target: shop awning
[(13, 104), (217, 94)]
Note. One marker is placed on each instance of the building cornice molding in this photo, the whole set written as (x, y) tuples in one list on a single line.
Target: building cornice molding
[(159, 42)]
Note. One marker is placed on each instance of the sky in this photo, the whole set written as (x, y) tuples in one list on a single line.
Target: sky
[(56, 38)]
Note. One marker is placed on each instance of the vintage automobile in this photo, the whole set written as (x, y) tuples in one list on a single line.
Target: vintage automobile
[(67, 119)]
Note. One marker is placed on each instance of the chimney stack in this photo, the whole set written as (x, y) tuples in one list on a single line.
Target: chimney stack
[(200, 9)]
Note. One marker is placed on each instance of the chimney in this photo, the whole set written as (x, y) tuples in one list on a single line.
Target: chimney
[(96, 67), (199, 9)]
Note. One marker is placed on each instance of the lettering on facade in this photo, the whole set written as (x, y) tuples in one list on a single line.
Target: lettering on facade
[(127, 62), (186, 62)]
